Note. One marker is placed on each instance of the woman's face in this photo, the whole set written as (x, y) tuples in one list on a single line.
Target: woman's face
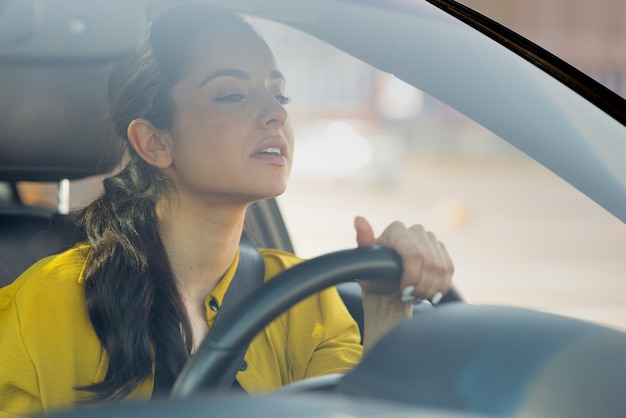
[(231, 142)]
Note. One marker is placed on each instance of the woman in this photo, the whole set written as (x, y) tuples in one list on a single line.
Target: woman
[(202, 111)]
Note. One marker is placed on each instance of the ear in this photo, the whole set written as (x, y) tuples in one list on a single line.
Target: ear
[(152, 145)]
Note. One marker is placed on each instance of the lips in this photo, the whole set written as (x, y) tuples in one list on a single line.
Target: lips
[(274, 147)]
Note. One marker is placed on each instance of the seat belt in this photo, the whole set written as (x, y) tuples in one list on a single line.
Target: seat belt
[(249, 276)]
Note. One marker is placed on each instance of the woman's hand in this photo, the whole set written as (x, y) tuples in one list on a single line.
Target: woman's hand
[(427, 274), (427, 266)]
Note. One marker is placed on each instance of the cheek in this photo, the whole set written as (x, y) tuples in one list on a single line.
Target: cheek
[(289, 134), (220, 149), (202, 137)]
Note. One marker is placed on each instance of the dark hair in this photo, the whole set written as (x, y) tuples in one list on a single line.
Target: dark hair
[(132, 297)]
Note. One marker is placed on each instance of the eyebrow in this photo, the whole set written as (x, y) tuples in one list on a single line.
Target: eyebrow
[(232, 72)]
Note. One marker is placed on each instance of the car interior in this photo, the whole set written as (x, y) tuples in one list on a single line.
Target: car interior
[(490, 360), (53, 131)]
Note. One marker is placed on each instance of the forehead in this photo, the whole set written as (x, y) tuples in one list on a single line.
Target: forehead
[(232, 49)]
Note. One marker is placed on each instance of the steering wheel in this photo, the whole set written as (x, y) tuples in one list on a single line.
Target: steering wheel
[(218, 351)]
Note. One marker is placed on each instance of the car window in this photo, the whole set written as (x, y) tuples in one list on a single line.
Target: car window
[(368, 144)]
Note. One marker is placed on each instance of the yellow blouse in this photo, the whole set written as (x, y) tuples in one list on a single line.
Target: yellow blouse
[(48, 346)]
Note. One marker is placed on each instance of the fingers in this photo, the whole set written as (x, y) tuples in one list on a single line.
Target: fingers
[(364, 232), (442, 281), (427, 266)]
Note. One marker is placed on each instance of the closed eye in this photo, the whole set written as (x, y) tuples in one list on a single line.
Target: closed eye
[(231, 98), (283, 100)]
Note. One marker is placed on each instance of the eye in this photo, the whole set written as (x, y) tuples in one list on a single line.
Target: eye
[(283, 100), (231, 98)]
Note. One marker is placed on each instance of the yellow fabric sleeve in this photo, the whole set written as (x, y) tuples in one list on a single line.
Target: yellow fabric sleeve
[(47, 344)]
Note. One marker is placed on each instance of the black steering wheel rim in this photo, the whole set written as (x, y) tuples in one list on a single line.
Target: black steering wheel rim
[(218, 351)]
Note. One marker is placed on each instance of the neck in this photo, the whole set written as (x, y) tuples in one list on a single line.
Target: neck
[(201, 243)]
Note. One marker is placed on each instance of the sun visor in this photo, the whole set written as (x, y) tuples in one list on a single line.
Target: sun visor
[(61, 30)]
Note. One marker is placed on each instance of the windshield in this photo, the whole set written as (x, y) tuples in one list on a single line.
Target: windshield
[(369, 144)]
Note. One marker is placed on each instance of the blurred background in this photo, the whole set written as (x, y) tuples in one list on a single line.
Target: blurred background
[(368, 144)]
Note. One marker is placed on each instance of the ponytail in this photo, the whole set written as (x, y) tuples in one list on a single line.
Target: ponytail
[(131, 294)]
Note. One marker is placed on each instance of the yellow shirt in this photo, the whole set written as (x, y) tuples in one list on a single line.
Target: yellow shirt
[(48, 345)]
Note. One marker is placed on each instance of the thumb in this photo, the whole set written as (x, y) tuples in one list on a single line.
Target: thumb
[(364, 232)]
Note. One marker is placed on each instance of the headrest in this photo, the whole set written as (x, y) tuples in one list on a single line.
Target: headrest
[(54, 66), (52, 122)]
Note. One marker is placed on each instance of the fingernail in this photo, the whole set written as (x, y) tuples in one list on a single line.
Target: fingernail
[(407, 291), (437, 298), (408, 298)]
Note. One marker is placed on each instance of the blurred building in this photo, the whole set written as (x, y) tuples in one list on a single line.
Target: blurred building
[(589, 34)]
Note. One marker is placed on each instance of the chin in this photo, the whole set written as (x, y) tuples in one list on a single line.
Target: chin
[(266, 193), (275, 192)]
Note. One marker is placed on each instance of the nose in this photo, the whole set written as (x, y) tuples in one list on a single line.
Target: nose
[(273, 114)]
